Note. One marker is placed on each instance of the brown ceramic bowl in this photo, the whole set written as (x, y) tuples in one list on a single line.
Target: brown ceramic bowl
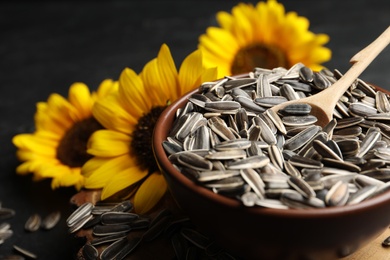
[(261, 233)]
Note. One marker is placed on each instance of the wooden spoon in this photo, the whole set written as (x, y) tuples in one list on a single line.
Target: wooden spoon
[(324, 102)]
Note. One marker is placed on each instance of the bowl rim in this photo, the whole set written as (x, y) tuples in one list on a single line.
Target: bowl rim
[(167, 117)]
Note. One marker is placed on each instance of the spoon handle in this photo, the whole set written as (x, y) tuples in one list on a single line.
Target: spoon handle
[(360, 62), (369, 53)]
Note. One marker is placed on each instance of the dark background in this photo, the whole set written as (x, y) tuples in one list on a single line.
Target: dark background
[(45, 46)]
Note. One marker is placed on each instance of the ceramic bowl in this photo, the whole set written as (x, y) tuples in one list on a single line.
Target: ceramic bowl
[(262, 233)]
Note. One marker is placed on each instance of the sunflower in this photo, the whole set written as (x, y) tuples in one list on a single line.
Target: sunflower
[(57, 147), (261, 36), (123, 160)]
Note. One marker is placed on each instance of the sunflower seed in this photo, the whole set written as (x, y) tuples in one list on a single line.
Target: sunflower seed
[(371, 138), (361, 194), (341, 164), (349, 121), (361, 109), (382, 174), (129, 247), (219, 127), (301, 186), (89, 252), (115, 218), (320, 82), (6, 233), (297, 109), (300, 161), (33, 223), (288, 92), (103, 230), (231, 182), (254, 181), (108, 238), (276, 120), (239, 83), (386, 242), (80, 223), (180, 245), (205, 176), (300, 139), (250, 162), (328, 149), (266, 131), (270, 101), (337, 195), (271, 203), (233, 144), (195, 237), (276, 156), (222, 106), (347, 132), (299, 120), (156, 228), (249, 199), (79, 213), (51, 220), (113, 250), (226, 155), (194, 161), (6, 213), (296, 200), (25, 252), (306, 74)]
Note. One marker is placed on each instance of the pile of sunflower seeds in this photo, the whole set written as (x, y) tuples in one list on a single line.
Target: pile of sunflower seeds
[(112, 223), (226, 139)]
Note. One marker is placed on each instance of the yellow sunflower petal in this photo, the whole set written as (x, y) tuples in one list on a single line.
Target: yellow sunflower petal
[(190, 71), (60, 107), (112, 115), (28, 155), (69, 178), (167, 69), (106, 87), (99, 171), (224, 19), (35, 143), (242, 28), (80, 97), (27, 167), (150, 192), (152, 81), (122, 180), (52, 118), (133, 94), (108, 143)]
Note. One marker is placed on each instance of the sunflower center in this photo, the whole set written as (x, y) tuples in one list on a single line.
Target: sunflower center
[(72, 149), (141, 144), (258, 55)]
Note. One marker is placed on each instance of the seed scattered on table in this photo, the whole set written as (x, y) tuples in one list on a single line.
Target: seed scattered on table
[(33, 223), (386, 242), (25, 252)]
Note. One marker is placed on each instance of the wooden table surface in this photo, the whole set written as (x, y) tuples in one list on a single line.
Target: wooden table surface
[(374, 250)]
